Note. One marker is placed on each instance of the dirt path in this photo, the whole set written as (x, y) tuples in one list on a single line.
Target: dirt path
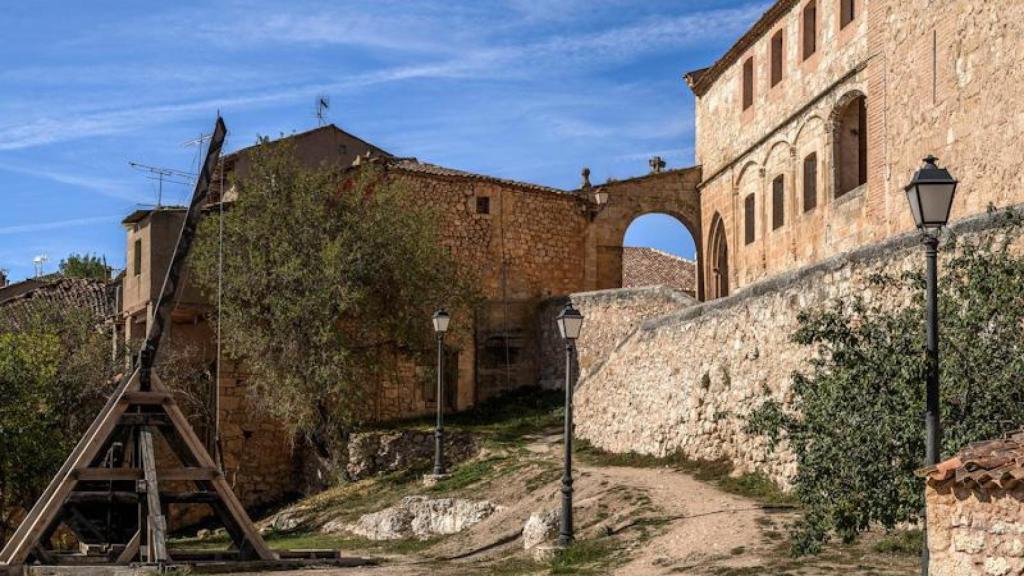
[(661, 521)]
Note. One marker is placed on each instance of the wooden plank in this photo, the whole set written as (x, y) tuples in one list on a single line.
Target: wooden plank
[(126, 474), (227, 496), (136, 398), (20, 544), (131, 419), (158, 543), (126, 497), (131, 550)]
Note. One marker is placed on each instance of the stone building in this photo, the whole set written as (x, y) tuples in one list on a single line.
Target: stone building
[(809, 126), (976, 510), (643, 267)]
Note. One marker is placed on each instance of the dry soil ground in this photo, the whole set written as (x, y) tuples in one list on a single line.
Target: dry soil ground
[(630, 520)]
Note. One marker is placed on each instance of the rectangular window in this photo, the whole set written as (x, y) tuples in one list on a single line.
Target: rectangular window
[(748, 83), (862, 142), (810, 39), (777, 58), (778, 202), (810, 182), (483, 205), (748, 219), (847, 12), (137, 257)]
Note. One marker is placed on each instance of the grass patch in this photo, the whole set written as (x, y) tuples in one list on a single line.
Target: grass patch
[(717, 472), (467, 474), (504, 419), (306, 541), (907, 542), (582, 557)]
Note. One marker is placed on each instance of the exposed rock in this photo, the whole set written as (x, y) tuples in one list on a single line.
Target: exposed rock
[(372, 453), (419, 517), (542, 527)]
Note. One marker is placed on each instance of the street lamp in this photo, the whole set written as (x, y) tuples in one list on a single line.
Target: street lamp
[(930, 194), (570, 321), (441, 320)]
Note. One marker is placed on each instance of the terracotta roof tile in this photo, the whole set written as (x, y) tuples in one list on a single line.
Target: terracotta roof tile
[(999, 462), (98, 296)]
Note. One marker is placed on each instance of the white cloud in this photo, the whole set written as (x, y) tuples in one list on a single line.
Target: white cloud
[(43, 226)]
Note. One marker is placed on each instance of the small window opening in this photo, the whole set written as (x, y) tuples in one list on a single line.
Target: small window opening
[(777, 58), (483, 205), (810, 182), (748, 83), (778, 202), (137, 257), (810, 39), (748, 219), (847, 12)]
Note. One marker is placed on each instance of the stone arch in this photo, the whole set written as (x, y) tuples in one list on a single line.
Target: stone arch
[(717, 272), (743, 172), (810, 147), (848, 123), (673, 192)]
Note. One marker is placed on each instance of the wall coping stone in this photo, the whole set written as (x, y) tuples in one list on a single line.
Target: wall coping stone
[(615, 294)]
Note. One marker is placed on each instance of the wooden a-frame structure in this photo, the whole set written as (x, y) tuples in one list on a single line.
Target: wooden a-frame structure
[(110, 491)]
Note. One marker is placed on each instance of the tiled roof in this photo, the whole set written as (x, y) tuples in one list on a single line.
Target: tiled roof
[(993, 462), (414, 166), (98, 296), (651, 267)]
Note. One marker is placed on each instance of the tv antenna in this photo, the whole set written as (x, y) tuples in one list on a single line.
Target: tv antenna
[(38, 262), (161, 175), (323, 103)]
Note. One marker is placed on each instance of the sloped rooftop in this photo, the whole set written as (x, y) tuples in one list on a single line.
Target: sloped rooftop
[(998, 463)]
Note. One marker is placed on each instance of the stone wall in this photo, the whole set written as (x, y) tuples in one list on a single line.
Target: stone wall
[(687, 380), (610, 317), (975, 531)]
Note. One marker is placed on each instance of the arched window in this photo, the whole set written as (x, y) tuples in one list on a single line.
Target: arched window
[(778, 202), (749, 226), (851, 146), (718, 258)]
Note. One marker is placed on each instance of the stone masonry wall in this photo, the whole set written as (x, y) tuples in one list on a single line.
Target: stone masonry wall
[(686, 381), (609, 318), (975, 531)]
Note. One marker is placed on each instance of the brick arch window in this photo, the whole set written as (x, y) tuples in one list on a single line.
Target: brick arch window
[(851, 145)]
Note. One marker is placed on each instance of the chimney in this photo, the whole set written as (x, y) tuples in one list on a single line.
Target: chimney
[(657, 164)]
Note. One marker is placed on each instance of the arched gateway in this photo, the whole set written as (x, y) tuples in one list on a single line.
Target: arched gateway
[(672, 192)]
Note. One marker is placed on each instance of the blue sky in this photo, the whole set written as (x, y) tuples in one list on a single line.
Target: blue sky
[(526, 89)]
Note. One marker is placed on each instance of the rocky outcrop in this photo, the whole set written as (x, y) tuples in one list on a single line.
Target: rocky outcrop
[(372, 453), (541, 528), (418, 517)]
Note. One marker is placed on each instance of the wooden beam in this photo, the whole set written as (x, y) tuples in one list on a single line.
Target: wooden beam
[(131, 550), (136, 398), (158, 543), (126, 474), (126, 497), (227, 496), (133, 419)]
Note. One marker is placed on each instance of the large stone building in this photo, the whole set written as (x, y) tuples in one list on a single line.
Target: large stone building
[(809, 126)]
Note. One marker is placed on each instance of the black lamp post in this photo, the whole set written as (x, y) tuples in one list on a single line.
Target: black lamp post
[(570, 321), (441, 319), (930, 194)]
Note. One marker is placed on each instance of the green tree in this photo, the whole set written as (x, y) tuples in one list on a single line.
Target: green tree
[(329, 280), (85, 266), (856, 424), (55, 374)]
